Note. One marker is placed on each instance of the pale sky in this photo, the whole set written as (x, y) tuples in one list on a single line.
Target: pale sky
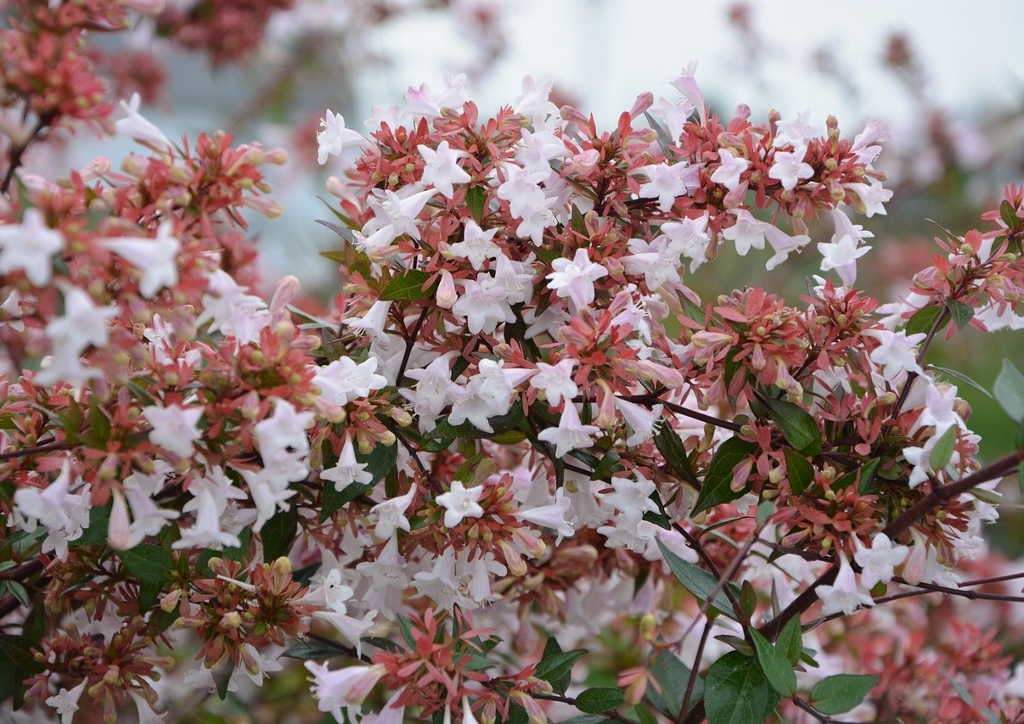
[(607, 51)]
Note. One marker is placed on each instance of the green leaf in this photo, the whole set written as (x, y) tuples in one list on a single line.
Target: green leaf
[(748, 599), (343, 231), (962, 313), (670, 445), (765, 510), (698, 581), (278, 534), (797, 426), (1009, 391), (671, 674), (586, 719), (147, 562), (95, 534), (644, 716), (799, 470), (599, 699), (961, 377), (222, 677), (406, 628), (923, 320), (841, 692), (717, 487), (17, 663), (555, 666), (774, 664), (1008, 214), (312, 651), (737, 692), (408, 286), (789, 641), (476, 197), (942, 453)]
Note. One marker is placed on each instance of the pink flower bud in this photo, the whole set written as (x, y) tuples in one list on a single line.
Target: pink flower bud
[(119, 529), (446, 293)]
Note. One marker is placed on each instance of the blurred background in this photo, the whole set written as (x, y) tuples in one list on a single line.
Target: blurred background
[(946, 78)]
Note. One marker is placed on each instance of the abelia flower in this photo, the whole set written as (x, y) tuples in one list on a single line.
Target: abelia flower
[(29, 247), (334, 137), (174, 427), (460, 502), (575, 279), (845, 595), (878, 561), (442, 168), (155, 258), (63, 514), (570, 433)]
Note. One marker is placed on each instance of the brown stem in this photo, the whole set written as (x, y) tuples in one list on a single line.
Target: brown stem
[(47, 447), (940, 495), (691, 681)]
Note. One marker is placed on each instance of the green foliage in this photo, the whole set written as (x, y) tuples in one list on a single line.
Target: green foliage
[(717, 488), (796, 424), (841, 692), (774, 664), (600, 699), (555, 665), (409, 286), (736, 691), (699, 582), (379, 462), (1009, 391)]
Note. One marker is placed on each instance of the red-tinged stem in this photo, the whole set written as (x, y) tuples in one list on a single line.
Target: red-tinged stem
[(651, 399)]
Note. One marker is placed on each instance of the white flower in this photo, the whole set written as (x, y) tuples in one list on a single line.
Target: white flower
[(333, 137), (555, 381), (62, 514), (30, 246), (66, 702), (348, 471), (477, 245), (575, 279), (346, 687), (391, 515), (728, 174), (895, 355), (570, 434), (343, 380), (460, 502), (138, 128), (174, 427), (789, 167), (878, 561), (442, 169), (667, 181), (845, 595), (155, 258)]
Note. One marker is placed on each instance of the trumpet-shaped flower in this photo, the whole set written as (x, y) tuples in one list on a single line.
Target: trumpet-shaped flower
[(878, 561), (29, 247), (155, 258), (845, 595), (174, 427), (442, 170), (334, 137), (460, 502), (570, 433), (575, 279)]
